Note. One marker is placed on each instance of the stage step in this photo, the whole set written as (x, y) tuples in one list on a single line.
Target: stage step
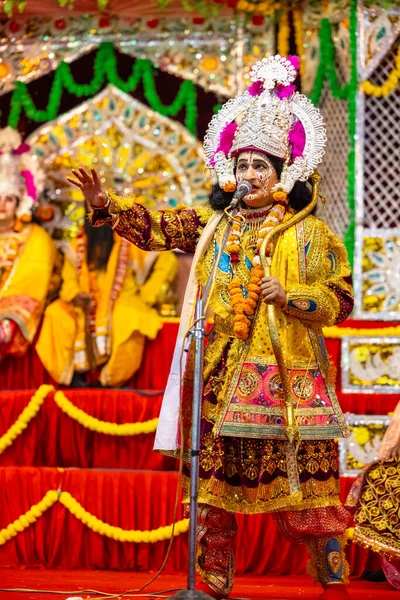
[(27, 372), (139, 500), (54, 439)]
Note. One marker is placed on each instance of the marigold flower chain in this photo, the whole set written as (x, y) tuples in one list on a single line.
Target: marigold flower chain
[(244, 302), (105, 427), (95, 524)]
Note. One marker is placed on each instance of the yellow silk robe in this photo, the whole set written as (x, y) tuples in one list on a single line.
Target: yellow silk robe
[(120, 326), (25, 284), (244, 465)]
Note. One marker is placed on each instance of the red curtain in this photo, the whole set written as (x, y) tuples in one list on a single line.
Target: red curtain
[(131, 500), (54, 439), (28, 372)]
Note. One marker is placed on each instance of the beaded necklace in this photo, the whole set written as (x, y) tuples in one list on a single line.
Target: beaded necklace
[(244, 301)]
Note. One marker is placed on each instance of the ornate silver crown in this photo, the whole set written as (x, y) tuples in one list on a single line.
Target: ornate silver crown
[(264, 117), (265, 125)]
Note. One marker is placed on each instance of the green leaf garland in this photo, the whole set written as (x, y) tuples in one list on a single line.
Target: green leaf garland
[(349, 236), (327, 67), (105, 71), (327, 72)]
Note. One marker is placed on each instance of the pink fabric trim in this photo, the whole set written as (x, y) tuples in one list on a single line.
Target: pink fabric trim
[(30, 184), (22, 148), (225, 140), (256, 88), (297, 139)]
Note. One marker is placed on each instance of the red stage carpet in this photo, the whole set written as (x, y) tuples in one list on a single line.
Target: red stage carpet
[(276, 588)]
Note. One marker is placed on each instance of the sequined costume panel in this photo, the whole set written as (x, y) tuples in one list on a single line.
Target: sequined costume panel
[(376, 496), (307, 258), (247, 469), (154, 230), (251, 475)]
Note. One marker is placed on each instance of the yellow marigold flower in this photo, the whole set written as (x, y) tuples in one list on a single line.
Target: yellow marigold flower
[(252, 304), (235, 282), (236, 292), (361, 435), (229, 187), (241, 319), (280, 196)]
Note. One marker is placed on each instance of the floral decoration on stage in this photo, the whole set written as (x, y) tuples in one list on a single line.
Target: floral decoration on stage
[(371, 365), (136, 150), (204, 51), (362, 447), (380, 275)]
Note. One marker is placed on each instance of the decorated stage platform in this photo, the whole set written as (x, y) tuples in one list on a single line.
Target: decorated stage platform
[(100, 490), (81, 488)]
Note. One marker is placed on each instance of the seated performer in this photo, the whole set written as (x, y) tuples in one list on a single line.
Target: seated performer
[(27, 253), (270, 415), (105, 309), (375, 497)]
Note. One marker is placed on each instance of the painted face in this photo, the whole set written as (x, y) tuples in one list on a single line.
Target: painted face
[(257, 169), (8, 208)]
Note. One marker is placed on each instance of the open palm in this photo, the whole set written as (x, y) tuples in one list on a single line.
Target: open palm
[(90, 186)]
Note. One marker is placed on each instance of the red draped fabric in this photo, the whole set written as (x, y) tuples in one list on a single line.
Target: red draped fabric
[(54, 439), (28, 372), (131, 500)]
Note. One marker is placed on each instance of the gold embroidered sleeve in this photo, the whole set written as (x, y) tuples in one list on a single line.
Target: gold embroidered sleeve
[(154, 230), (327, 298)]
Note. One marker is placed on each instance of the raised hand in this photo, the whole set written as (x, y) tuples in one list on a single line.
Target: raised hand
[(90, 186)]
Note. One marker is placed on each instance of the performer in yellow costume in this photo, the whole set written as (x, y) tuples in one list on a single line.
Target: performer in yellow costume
[(27, 253), (105, 308), (270, 415), (375, 498)]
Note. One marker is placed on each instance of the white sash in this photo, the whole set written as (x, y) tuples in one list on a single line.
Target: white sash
[(166, 436)]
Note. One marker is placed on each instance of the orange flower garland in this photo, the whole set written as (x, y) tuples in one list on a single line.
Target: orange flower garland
[(244, 307)]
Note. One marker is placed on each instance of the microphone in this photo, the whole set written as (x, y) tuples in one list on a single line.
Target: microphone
[(242, 190)]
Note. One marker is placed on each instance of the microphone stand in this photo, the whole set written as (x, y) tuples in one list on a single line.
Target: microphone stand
[(198, 333)]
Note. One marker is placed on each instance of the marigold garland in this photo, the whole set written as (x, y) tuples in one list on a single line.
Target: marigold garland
[(105, 70), (382, 91), (283, 33), (95, 524), (28, 518), (244, 302), (117, 533), (34, 405), (29, 412), (102, 426), (298, 34), (339, 332)]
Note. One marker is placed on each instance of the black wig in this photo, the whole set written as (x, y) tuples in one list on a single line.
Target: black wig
[(100, 241)]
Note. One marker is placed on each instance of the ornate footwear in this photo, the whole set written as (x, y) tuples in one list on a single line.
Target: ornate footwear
[(335, 592), (204, 587)]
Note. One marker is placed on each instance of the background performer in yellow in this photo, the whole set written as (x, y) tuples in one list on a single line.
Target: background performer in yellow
[(27, 252), (270, 415), (105, 308)]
